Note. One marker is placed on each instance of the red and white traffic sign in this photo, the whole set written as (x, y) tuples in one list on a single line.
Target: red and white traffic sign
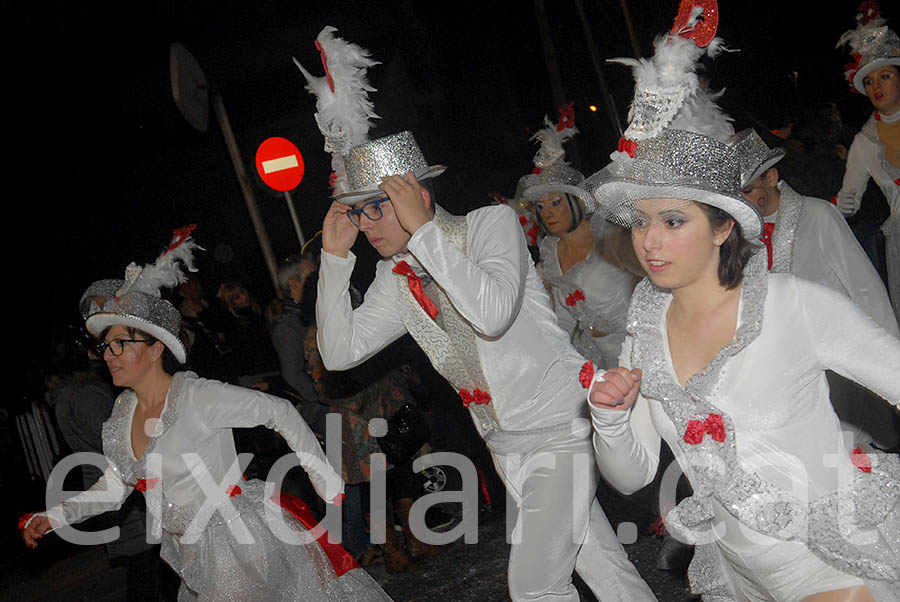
[(279, 164)]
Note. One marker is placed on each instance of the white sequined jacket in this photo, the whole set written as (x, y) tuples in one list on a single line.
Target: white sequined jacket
[(760, 412)]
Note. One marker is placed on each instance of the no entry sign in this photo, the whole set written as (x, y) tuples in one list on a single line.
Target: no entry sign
[(279, 164)]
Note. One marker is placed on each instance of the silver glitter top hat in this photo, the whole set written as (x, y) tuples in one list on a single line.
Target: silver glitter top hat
[(394, 155), (97, 294), (677, 164), (755, 155), (136, 301), (552, 173), (872, 44)]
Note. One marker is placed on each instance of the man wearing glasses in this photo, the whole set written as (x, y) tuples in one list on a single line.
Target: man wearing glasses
[(466, 289)]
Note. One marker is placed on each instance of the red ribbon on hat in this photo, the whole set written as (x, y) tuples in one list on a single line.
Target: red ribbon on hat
[(627, 146), (476, 396), (766, 238), (712, 426), (416, 288)]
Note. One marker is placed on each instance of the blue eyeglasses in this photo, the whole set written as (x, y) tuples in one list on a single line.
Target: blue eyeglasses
[(371, 210)]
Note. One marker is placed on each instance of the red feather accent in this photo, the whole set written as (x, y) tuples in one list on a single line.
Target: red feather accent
[(566, 117), (704, 30), (325, 65), (179, 236)]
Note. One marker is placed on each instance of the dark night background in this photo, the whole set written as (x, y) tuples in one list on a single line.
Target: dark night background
[(104, 166)]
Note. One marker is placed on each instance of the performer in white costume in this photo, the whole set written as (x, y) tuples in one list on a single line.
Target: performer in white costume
[(726, 362), (466, 289), (590, 294), (169, 435), (875, 152), (808, 237)]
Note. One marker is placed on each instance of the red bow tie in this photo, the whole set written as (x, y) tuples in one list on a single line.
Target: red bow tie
[(416, 288), (766, 238), (696, 430)]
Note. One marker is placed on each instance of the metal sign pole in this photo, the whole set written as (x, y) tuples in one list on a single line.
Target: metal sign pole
[(249, 197), (290, 204)]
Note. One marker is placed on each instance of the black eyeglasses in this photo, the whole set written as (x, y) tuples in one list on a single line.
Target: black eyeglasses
[(117, 346), (371, 210)]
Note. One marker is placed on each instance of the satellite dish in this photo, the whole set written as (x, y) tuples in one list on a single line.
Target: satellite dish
[(189, 86)]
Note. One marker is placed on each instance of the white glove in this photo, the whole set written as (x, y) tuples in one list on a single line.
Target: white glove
[(847, 203)]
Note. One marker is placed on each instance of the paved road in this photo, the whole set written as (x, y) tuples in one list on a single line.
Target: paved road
[(58, 572)]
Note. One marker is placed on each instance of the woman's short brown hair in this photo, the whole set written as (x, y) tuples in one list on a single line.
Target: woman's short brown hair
[(735, 252)]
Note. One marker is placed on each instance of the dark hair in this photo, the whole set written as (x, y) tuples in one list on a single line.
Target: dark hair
[(576, 211), (170, 364), (735, 252)]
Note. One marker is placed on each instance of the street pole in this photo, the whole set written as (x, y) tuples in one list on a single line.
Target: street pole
[(598, 70), (290, 204), (249, 197)]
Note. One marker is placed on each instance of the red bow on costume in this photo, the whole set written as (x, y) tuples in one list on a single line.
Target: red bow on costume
[(766, 238), (476, 396), (713, 425), (233, 490), (416, 288), (627, 146), (861, 460), (586, 375), (23, 520), (145, 484), (574, 298)]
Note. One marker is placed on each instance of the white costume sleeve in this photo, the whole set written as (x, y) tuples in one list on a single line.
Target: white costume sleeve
[(487, 285), (840, 250), (225, 406), (107, 494), (856, 176), (348, 337), (849, 342), (626, 444)]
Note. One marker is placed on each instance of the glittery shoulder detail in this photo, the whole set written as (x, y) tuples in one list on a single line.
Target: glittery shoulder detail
[(116, 433), (870, 503), (789, 209), (117, 430)]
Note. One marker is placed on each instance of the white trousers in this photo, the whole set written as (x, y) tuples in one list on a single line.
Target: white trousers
[(560, 526)]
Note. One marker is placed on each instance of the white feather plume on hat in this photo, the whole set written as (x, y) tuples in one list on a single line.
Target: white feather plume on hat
[(343, 109), (165, 272), (551, 138), (669, 93)]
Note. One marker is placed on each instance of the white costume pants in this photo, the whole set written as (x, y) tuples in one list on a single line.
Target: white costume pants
[(560, 526)]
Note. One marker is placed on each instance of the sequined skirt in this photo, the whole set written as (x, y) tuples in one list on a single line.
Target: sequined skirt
[(280, 561)]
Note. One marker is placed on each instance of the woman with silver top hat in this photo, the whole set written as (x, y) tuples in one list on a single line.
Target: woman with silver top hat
[(590, 293), (726, 362), (169, 435), (875, 152)]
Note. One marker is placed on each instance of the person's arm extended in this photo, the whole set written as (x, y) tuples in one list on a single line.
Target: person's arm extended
[(227, 406), (487, 285)]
